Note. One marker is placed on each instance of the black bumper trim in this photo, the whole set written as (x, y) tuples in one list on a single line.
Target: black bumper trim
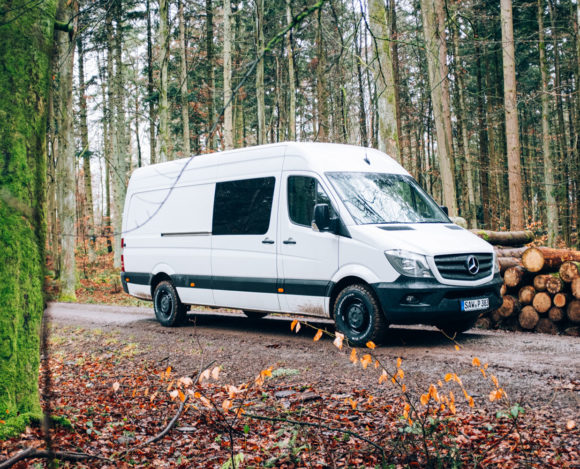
[(434, 303)]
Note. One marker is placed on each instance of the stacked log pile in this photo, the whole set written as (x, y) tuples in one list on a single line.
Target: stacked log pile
[(541, 290)]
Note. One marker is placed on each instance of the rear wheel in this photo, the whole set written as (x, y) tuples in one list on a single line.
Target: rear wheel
[(255, 314), (358, 315), (169, 310)]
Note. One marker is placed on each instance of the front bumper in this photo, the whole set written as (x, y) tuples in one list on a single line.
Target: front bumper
[(432, 302)]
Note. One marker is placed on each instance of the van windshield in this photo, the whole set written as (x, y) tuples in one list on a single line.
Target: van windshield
[(374, 198)]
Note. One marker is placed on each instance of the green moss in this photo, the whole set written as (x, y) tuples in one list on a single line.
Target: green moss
[(24, 74), (15, 425), (67, 298)]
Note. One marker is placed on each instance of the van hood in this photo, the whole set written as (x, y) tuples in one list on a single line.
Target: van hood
[(429, 239)]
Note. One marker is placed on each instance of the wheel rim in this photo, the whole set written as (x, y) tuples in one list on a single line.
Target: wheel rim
[(356, 315), (164, 303)]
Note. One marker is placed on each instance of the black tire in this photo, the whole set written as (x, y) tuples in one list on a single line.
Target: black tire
[(169, 310), (254, 315), (455, 328), (358, 315)]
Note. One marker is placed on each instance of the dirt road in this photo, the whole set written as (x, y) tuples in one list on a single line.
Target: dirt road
[(536, 370)]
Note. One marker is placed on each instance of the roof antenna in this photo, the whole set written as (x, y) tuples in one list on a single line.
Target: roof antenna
[(366, 160)]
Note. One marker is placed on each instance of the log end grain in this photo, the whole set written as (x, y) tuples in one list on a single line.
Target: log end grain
[(569, 271), (510, 306), (513, 276), (533, 260), (545, 326), (556, 314), (542, 302), (526, 295), (573, 311), (575, 288), (528, 318)]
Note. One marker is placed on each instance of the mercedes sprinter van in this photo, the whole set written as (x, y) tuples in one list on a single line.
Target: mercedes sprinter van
[(318, 229)]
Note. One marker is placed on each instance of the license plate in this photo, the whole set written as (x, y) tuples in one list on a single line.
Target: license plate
[(474, 305)]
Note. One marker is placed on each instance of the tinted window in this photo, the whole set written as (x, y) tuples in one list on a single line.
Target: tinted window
[(303, 194), (243, 207)]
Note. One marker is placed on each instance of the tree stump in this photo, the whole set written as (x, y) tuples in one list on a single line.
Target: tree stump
[(528, 318)]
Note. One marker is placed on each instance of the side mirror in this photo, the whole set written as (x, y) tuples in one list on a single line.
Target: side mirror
[(445, 209), (321, 220)]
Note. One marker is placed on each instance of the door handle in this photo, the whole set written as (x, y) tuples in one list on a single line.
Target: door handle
[(267, 241), (289, 241)]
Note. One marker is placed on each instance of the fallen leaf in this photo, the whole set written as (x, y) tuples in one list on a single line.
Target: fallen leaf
[(318, 335)]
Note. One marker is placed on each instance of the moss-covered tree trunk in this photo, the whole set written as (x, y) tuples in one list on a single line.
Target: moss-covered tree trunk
[(24, 74)]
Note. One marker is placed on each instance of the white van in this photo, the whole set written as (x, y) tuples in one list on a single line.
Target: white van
[(325, 230)]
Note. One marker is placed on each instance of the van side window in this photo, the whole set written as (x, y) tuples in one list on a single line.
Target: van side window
[(303, 194), (243, 207)]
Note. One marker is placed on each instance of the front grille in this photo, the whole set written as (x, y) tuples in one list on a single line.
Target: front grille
[(454, 266)]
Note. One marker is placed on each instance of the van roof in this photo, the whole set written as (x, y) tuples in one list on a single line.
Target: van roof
[(315, 156)]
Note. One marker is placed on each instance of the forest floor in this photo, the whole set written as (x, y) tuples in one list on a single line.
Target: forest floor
[(116, 377)]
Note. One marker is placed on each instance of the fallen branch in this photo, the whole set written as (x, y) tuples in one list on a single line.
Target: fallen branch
[(33, 453), (318, 425), (173, 421)]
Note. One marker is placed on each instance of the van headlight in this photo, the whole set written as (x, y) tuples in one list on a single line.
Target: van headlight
[(496, 266), (408, 263)]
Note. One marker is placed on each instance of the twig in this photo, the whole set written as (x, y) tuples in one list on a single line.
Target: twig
[(32, 453), (173, 421), (318, 425)]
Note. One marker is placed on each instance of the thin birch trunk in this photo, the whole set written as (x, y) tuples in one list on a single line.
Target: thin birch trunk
[(321, 94), (150, 88), (210, 75), (261, 137)]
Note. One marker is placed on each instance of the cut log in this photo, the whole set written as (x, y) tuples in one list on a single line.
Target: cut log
[(575, 288), (554, 284), (573, 331), (542, 302), (556, 314), (510, 252), (508, 262), (503, 289), (536, 259), (545, 326), (509, 307), (483, 323), (569, 270), (513, 276), (560, 300), (495, 317), (505, 238), (540, 282), (528, 318), (573, 311), (526, 295)]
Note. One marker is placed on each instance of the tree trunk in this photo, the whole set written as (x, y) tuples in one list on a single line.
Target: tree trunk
[(560, 300), (210, 74), (362, 107), (542, 302), (528, 318), (506, 263), (549, 186), (228, 106), (526, 295), (150, 88), (436, 48), (540, 282), (261, 137), (65, 169), (86, 153), (183, 79), (384, 73), (321, 92), (162, 63), (291, 76), (511, 118), (536, 259), (509, 307), (556, 314), (573, 311), (575, 288), (24, 87), (513, 276), (569, 271)]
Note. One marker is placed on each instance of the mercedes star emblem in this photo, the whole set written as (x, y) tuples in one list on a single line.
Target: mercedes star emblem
[(472, 265)]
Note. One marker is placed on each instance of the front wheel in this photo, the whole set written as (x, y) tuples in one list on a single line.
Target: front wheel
[(169, 310), (358, 315)]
